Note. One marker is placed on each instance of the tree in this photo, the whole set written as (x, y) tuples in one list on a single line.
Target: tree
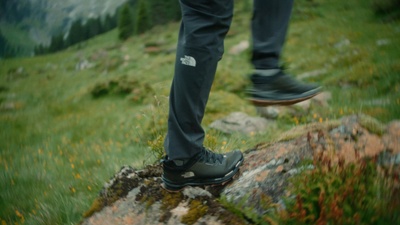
[(125, 22), (57, 43), (76, 33), (40, 49), (92, 27), (143, 18), (3, 43), (109, 23), (164, 11)]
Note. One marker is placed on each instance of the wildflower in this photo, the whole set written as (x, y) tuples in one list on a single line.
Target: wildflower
[(77, 176), (21, 217), (296, 120)]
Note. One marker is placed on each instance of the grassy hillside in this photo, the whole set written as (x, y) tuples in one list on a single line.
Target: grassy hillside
[(65, 131)]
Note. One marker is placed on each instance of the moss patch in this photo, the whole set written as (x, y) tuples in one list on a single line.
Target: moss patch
[(371, 124)]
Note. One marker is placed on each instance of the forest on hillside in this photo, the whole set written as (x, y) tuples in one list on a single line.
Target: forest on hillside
[(133, 17), (24, 24)]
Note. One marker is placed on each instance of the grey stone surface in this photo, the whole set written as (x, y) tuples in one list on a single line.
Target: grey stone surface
[(240, 122)]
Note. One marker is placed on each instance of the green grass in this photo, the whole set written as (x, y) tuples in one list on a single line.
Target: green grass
[(58, 145)]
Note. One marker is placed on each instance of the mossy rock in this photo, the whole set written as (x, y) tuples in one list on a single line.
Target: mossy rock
[(133, 89)]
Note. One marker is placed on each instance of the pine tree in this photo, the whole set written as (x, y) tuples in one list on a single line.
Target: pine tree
[(76, 33), (143, 18), (109, 23), (57, 43), (164, 11), (125, 22), (92, 28), (40, 50)]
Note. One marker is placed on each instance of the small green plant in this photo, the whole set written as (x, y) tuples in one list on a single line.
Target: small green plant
[(133, 89), (157, 146), (247, 211), (155, 128)]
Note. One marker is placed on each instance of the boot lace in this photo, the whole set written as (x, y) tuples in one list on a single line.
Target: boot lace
[(211, 157)]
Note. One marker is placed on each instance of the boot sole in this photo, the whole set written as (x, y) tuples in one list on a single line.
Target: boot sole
[(269, 102), (174, 187)]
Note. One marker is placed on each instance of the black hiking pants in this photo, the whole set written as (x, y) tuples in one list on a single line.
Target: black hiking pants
[(200, 47)]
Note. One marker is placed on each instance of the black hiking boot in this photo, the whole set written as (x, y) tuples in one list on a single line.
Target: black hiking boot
[(281, 89), (206, 168)]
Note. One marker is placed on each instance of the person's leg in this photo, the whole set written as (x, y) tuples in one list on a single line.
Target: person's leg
[(269, 26), (270, 84), (200, 47)]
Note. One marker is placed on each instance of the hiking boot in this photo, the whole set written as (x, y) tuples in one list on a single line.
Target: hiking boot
[(206, 168), (280, 89)]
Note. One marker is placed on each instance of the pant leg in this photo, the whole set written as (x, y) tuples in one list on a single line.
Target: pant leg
[(200, 47), (269, 26)]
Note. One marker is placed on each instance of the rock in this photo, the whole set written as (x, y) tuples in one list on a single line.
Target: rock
[(273, 112), (269, 112), (305, 105), (148, 203), (10, 106), (391, 138), (16, 73), (342, 43), (240, 122), (83, 65), (382, 42), (323, 98), (138, 198)]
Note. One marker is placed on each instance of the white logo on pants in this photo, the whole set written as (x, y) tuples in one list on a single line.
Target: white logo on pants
[(189, 61)]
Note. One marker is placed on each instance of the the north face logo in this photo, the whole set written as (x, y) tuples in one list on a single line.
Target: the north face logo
[(189, 61), (188, 174)]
